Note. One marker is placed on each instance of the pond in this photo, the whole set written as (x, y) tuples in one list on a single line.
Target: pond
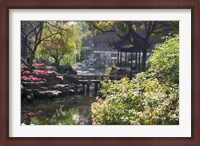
[(70, 110)]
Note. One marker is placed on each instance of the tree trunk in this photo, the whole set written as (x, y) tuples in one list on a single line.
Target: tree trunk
[(24, 61), (30, 63), (57, 60)]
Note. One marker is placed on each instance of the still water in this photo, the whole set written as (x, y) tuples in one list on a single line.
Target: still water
[(71, 110)]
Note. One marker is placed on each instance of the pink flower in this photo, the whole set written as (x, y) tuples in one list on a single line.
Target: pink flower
[(31, 77), (34, 113), (42, 72), (27, 77), (36, 79), (39, 64), (24, 77), (31, 114)]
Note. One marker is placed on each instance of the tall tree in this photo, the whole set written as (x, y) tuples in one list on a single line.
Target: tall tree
[(64, 46), (32, 34)]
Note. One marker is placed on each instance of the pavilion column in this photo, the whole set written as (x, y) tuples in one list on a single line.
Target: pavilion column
[(120, 58), (139, 61), (131, 61), (125, 58), (136, 61)]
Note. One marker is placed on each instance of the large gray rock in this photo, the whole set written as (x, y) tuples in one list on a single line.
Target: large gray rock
[(65, 88), (70, 78), (80, 88), (52, 78), (50, 93), (33, 85)]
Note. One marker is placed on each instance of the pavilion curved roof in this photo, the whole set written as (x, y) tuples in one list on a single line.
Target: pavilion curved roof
[(129, 43)]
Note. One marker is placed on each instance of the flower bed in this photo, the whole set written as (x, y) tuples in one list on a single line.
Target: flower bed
[(39, 64), (28, 76), (31, 78)]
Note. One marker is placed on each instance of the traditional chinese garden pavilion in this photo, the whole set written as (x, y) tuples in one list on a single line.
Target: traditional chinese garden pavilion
[(130, 49)]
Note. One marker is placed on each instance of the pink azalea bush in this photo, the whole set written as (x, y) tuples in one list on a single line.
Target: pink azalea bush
[(34, 113), (27, 77), (36, 79), (39, 64), (41, 72), (31, 78), (25, 71), (26, 74)]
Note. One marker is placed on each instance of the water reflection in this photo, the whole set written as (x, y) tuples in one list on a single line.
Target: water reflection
[(82, 116), (57, 112)]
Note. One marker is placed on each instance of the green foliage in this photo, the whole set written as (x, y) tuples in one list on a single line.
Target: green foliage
[(64, 47), (165, 61), (108, 71), (120, 27), (117, 71), (137, 101), (105, 25), (147, 99), (85, 33), (63, 68), (85, 51)]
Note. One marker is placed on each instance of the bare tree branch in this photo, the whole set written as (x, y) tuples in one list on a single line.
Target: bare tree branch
[(34, 29)]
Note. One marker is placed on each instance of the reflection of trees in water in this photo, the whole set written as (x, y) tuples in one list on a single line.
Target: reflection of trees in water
[(82, 117), (58, 112)]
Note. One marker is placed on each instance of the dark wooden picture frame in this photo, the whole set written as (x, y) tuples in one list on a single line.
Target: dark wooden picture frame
[(6, 5)]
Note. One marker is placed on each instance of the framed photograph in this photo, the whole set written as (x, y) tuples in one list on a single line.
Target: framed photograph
[(100, 72)]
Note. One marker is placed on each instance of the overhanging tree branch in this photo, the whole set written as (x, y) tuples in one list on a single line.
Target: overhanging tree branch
[(104, 31)]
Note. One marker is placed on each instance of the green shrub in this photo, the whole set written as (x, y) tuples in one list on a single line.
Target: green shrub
[(137, 101), (108, 71), (165, 61), (151, 98), (63, 68)]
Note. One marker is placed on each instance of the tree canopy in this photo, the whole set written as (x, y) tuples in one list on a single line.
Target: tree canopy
[(147, 31), (62, 40), (57, 39), (63, 47)]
